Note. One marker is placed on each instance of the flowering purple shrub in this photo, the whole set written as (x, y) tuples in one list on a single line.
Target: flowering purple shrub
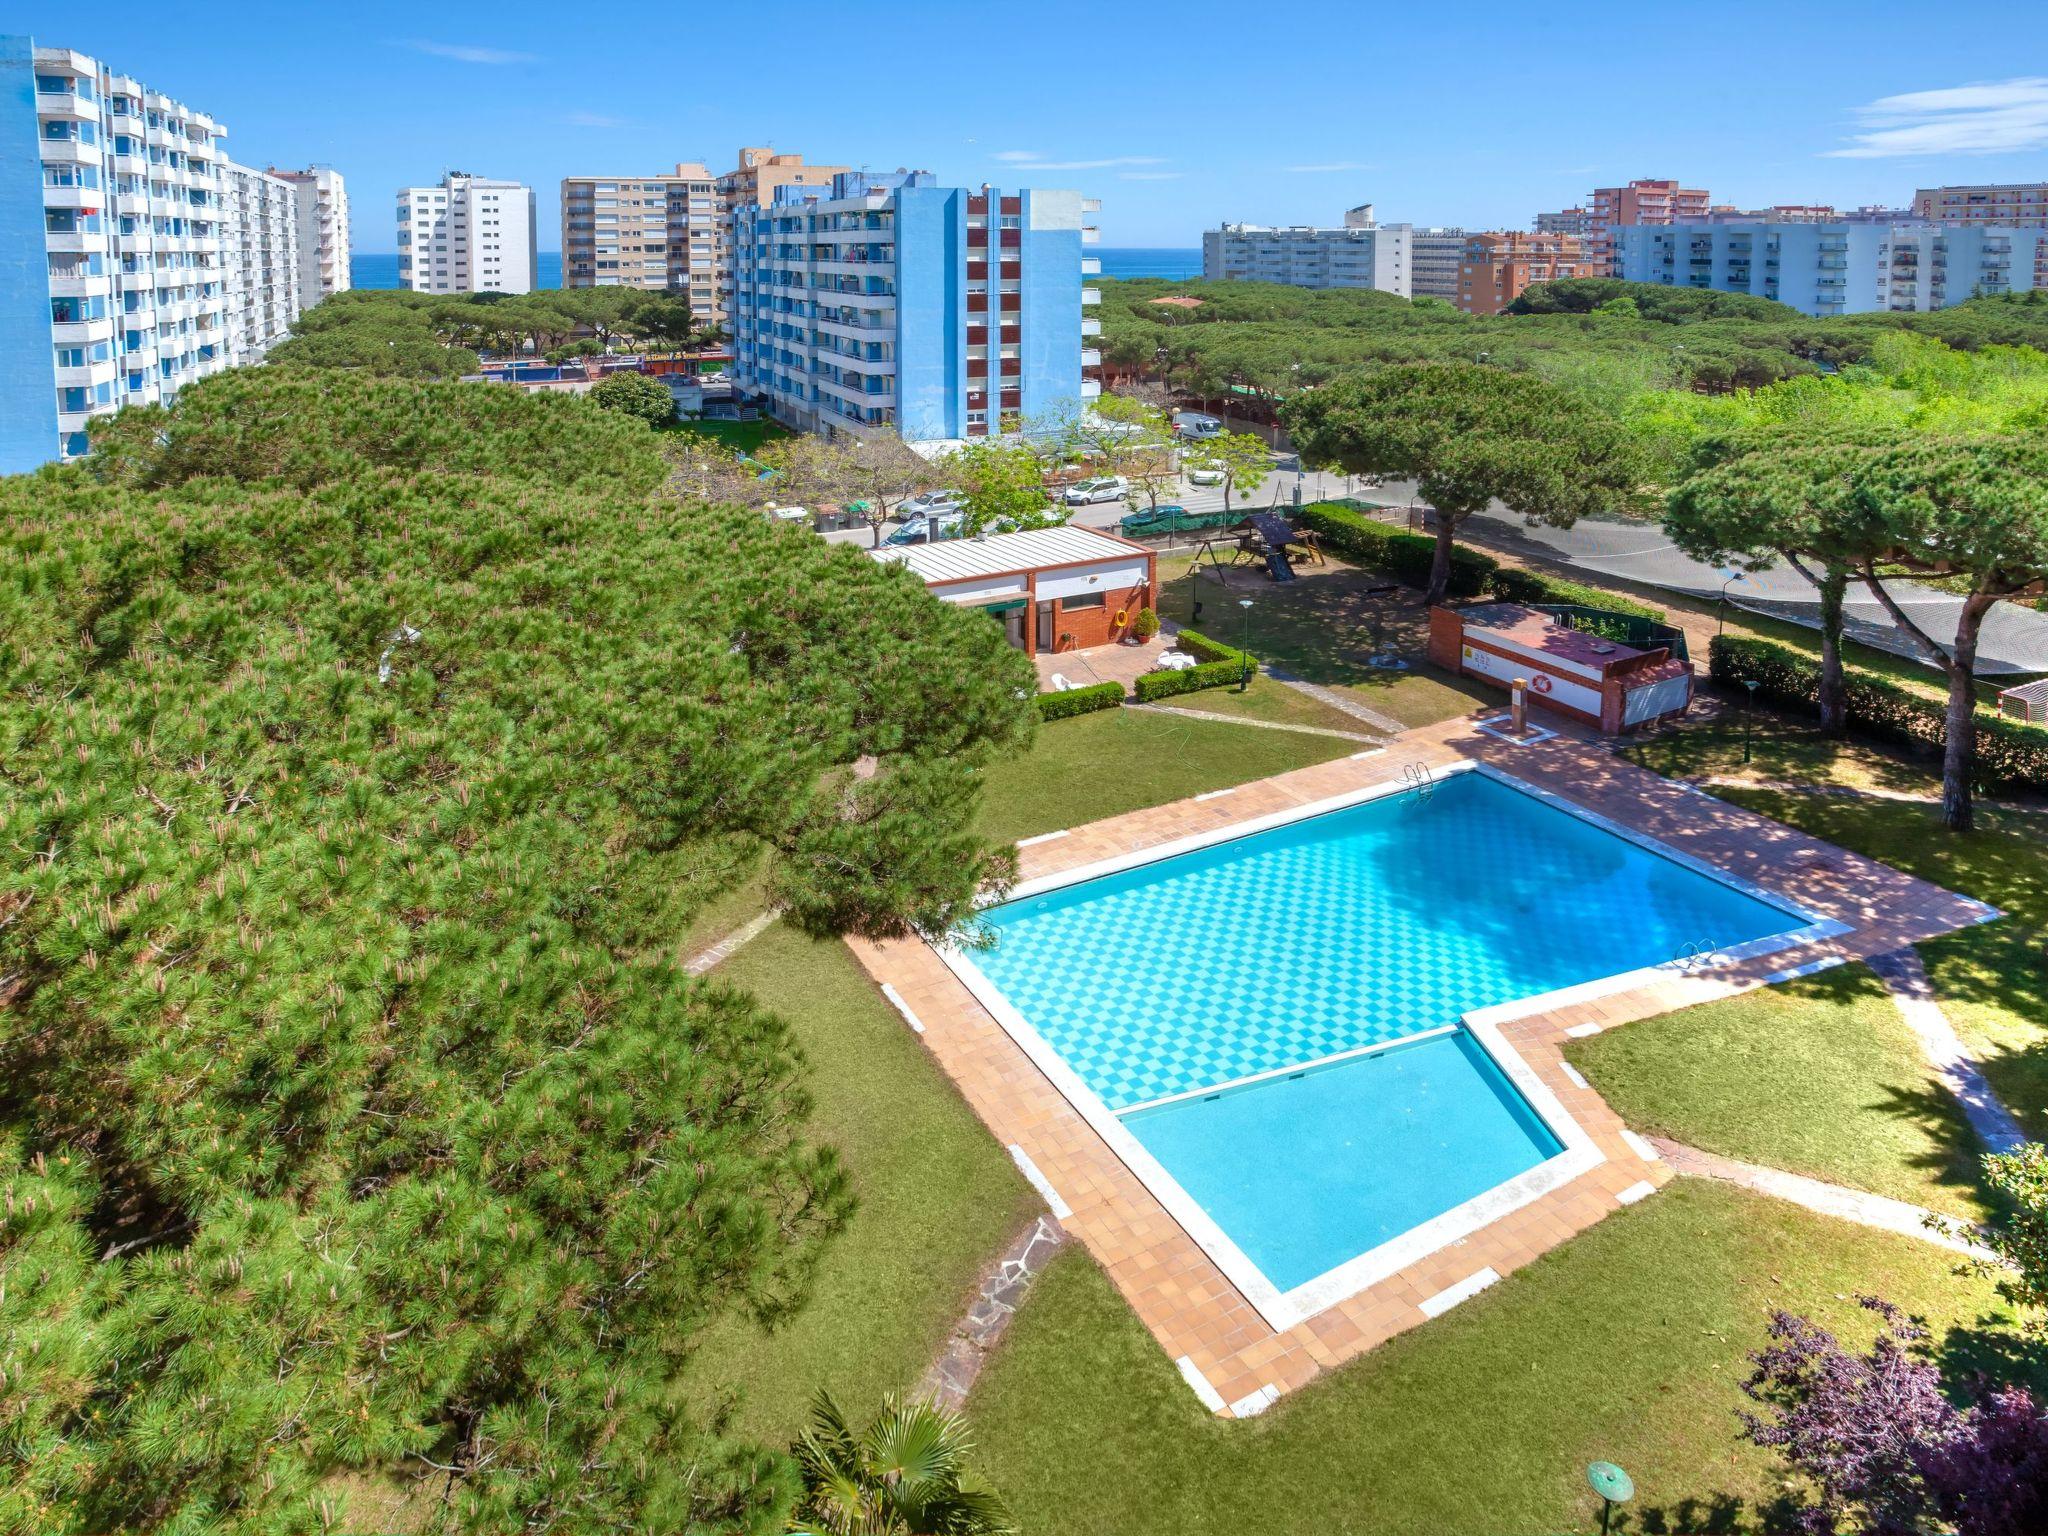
[(1887, 1453)]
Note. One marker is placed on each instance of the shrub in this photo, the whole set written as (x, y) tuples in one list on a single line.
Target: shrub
[(1514, 585), (635, 394), (1358, 539), (1220, 665), (2010, 754), (1079, 701), (1146, 625)]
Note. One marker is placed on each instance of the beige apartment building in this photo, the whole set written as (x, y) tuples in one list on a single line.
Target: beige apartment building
[(664, 233), (2021, 204), (1499, 264), (752, 184)]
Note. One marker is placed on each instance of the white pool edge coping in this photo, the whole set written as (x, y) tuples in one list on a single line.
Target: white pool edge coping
[(1285, 1310)]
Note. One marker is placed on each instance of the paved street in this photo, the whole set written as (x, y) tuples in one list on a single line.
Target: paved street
[(2015, 639)]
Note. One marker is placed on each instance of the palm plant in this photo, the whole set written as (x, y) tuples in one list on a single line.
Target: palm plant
[(900, 1478)]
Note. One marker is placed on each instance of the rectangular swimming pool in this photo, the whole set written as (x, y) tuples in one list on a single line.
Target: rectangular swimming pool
[(1270, 1026)]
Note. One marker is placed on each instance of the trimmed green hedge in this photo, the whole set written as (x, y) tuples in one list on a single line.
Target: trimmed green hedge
[(2010, 753), (1220, 665), (1353, 536), (1523, 586), (1079, 701), (1359, 539)]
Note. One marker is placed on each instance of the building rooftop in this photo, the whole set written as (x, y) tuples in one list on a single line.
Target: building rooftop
[(1035, 549)]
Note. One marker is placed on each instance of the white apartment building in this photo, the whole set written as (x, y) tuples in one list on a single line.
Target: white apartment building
[(1436, 258), (468, 235), (1842, 268), (113, 289), (1359, 254), (259, 260), (321, 203)]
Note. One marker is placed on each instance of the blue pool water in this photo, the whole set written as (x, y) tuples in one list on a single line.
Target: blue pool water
[(1385, 1142), (1344, 930)]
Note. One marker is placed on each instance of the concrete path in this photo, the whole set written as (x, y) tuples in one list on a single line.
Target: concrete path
[(1859, 1206), (948, 1380), (1264, 725), (1906, 979), (1343, 703), (724, 949)]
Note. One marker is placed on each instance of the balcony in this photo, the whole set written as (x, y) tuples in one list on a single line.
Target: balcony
[(1090, 296), (1090, 358), (1091, 327)]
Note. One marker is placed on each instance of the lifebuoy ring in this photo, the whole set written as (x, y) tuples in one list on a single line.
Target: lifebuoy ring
[(1123, 617), (1542, 683)]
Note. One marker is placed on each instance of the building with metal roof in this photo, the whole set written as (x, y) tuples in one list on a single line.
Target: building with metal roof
[(1052, 589)]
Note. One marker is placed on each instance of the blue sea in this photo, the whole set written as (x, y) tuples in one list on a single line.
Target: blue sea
[(1171, 262), (379, 269)]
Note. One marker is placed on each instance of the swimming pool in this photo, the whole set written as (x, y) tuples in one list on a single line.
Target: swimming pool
[(1287, 1030)]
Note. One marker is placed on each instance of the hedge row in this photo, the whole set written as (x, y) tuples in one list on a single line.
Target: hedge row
[(1080, 701), (1352, 536), (2010, 753), (1220, 665)]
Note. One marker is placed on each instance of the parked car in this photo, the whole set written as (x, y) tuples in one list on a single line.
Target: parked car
[(928, 528), (1087, 493), (1204, 474), (1193, 424), (931, 501)]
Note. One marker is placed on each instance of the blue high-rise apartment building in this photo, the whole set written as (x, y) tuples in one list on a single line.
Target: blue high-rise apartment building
[(889, 304), (112, 281)]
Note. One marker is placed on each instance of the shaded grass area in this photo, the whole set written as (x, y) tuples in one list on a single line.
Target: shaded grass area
[(1424, 696), (1992, 979), (1092, 766), (1782, 750), (742, 436), (1625, 1344), (938, 1199), (1820, 1076)]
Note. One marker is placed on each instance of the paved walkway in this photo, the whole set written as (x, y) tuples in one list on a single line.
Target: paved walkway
[(951, 1376), (1341, 702), (1264, 725), (1856, 1205), (1906, 979), (723, 950)]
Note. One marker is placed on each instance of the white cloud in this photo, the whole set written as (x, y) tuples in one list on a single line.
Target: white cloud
[(1988, 118), (469, 53), (1150, 175), (1332, 165), (1032, 160)]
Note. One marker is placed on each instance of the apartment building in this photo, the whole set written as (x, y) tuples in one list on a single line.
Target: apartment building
[(1436, 258), (1361, 253), (320, 199), (2014, 203), (1500, 264), (888, 303), (752, 183), (470, 234), (259, 260), (112, 288), (1842, 268), (665, 233), (1611, 208)]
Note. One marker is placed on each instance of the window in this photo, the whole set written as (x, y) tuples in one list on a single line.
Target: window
[(1085, 600)]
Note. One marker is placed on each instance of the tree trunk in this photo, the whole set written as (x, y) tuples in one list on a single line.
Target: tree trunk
[(1834, 703), (1440, 566), (1959, 753)]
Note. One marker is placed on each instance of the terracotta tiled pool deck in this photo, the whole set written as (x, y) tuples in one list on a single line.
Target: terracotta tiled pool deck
[(1231, 1356)]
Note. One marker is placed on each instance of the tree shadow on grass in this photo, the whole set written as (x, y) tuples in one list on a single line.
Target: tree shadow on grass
[(1994, 1350), (1717, 1514)]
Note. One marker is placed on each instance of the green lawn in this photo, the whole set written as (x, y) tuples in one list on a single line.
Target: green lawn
[(1092, 766), (746, 436), (1626, 1344), (938, 1199), (1820, 1076), (1268, 700)]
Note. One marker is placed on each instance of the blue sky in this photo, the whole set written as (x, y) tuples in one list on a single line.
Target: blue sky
[(1177, 116)]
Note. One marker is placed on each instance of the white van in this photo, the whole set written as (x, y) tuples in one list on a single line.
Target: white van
[(1196, 426)]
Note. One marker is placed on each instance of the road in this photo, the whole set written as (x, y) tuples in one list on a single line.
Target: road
[(2015, 639)]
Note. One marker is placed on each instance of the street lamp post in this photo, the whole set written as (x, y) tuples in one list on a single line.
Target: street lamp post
[(1733, 576), (1244, 655), (1748, 715)]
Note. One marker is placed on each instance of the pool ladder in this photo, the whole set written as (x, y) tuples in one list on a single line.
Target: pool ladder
[(1697, 956), (1421, 779)]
